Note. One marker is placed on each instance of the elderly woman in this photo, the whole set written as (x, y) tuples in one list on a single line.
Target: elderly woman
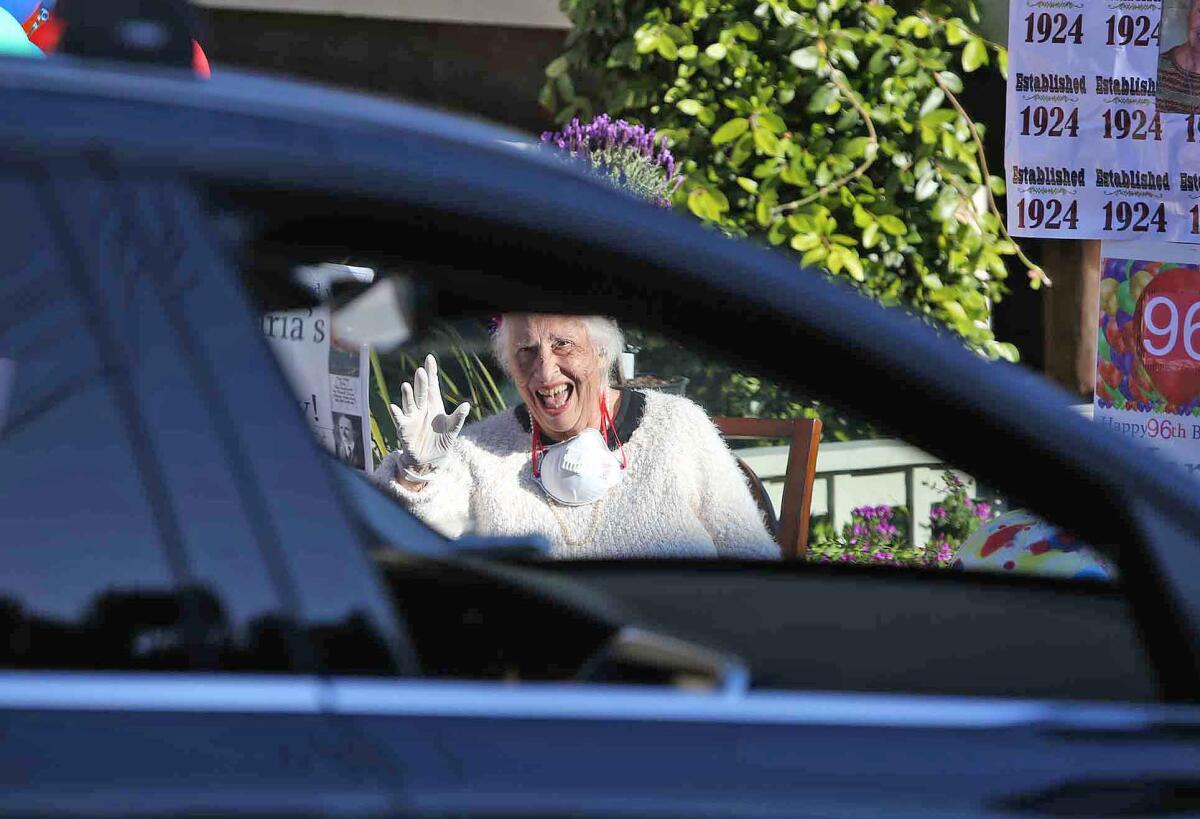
[(599, 471), (1179, 69)]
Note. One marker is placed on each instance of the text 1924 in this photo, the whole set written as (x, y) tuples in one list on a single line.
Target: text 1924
[(1049, 121), (1138, 217), (1128, 29), (1122, 123), (1044, 27), (1047, 214)]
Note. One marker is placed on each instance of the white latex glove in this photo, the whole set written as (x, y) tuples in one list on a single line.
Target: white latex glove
[(426, 431)]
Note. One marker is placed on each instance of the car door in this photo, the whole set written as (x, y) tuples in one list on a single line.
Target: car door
[(493, 232), (154, 658)]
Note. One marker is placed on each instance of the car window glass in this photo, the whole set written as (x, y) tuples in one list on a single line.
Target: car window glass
[(86, 584), (693, 466), (89, 578)]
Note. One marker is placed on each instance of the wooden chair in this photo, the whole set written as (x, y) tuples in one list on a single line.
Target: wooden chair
[(790, 529)]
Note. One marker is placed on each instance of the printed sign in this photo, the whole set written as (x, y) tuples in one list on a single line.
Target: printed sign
[(331, 380), (1148, 347), (1097, 145)]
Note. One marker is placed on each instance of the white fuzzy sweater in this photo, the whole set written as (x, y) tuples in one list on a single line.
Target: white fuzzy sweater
[(682, 495)]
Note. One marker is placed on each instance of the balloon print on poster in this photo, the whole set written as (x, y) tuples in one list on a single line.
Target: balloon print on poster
[(1148, 347)]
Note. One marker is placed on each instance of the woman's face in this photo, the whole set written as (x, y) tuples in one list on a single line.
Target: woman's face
[(557, 371)]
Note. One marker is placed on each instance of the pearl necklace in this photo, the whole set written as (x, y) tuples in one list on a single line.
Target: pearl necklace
[(589, 533)]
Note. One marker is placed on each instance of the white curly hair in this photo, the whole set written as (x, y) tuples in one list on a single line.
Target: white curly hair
[(604, 333)]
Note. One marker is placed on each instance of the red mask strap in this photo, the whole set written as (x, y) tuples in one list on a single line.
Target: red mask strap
[(535, 446), (606, 424)]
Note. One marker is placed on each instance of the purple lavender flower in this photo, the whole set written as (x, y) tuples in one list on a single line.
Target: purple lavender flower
[(623, 154)]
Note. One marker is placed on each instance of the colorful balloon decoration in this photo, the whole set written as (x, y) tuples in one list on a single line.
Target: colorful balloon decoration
[(20, 10), (200, 62), (1022, 543), (46, 33), (13, 40), (45, 30), (1166, 342), (39, 17)]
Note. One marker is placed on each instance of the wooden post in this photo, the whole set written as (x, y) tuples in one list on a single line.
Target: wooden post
[(1072, 311)]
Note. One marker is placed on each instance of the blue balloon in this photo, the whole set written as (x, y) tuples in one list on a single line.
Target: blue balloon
[(22, 10), (13, 40)]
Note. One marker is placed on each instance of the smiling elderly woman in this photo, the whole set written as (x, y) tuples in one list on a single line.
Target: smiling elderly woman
[(599, 471)]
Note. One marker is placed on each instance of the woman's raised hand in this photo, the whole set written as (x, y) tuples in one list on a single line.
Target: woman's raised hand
[(426, 431)]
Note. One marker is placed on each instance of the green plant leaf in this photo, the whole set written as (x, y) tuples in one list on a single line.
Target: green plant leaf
[(933, 100), (821, 99), (870, 235), (766, 141), (804, 241), (762, 213), (747, 31), (742, 149), (854, 266), (974, 55), (709, 205), (951, 81), (927, 186), (806, 59), (957, 32), (892, 225), (557, 66), (731, 130), (689, 107), (814, 256), (770, 119)]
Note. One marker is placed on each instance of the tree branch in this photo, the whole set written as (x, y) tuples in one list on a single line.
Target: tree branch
[(1035, 271), (839, 80)]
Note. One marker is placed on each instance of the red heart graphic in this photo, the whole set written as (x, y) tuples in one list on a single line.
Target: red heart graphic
[(1175, 372)]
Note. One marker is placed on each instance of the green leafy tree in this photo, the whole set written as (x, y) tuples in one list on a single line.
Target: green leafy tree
[(829, 128)]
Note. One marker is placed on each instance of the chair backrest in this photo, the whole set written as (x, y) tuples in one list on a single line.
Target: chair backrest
[(761, 497), (804, 437)]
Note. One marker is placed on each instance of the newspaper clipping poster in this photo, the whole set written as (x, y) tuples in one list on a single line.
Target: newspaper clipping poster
[(331, 380), (1148, 349), (1102, 139)]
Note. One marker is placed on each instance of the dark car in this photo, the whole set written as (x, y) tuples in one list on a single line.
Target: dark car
[(206, 614)]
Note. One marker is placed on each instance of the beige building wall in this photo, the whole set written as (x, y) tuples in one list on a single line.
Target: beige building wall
[(522, 13)]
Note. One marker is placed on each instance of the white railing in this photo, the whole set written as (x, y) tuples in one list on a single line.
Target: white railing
[(876, 472), (850, 474)]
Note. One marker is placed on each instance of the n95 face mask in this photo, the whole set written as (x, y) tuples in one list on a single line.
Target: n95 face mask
[(578, 471)]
